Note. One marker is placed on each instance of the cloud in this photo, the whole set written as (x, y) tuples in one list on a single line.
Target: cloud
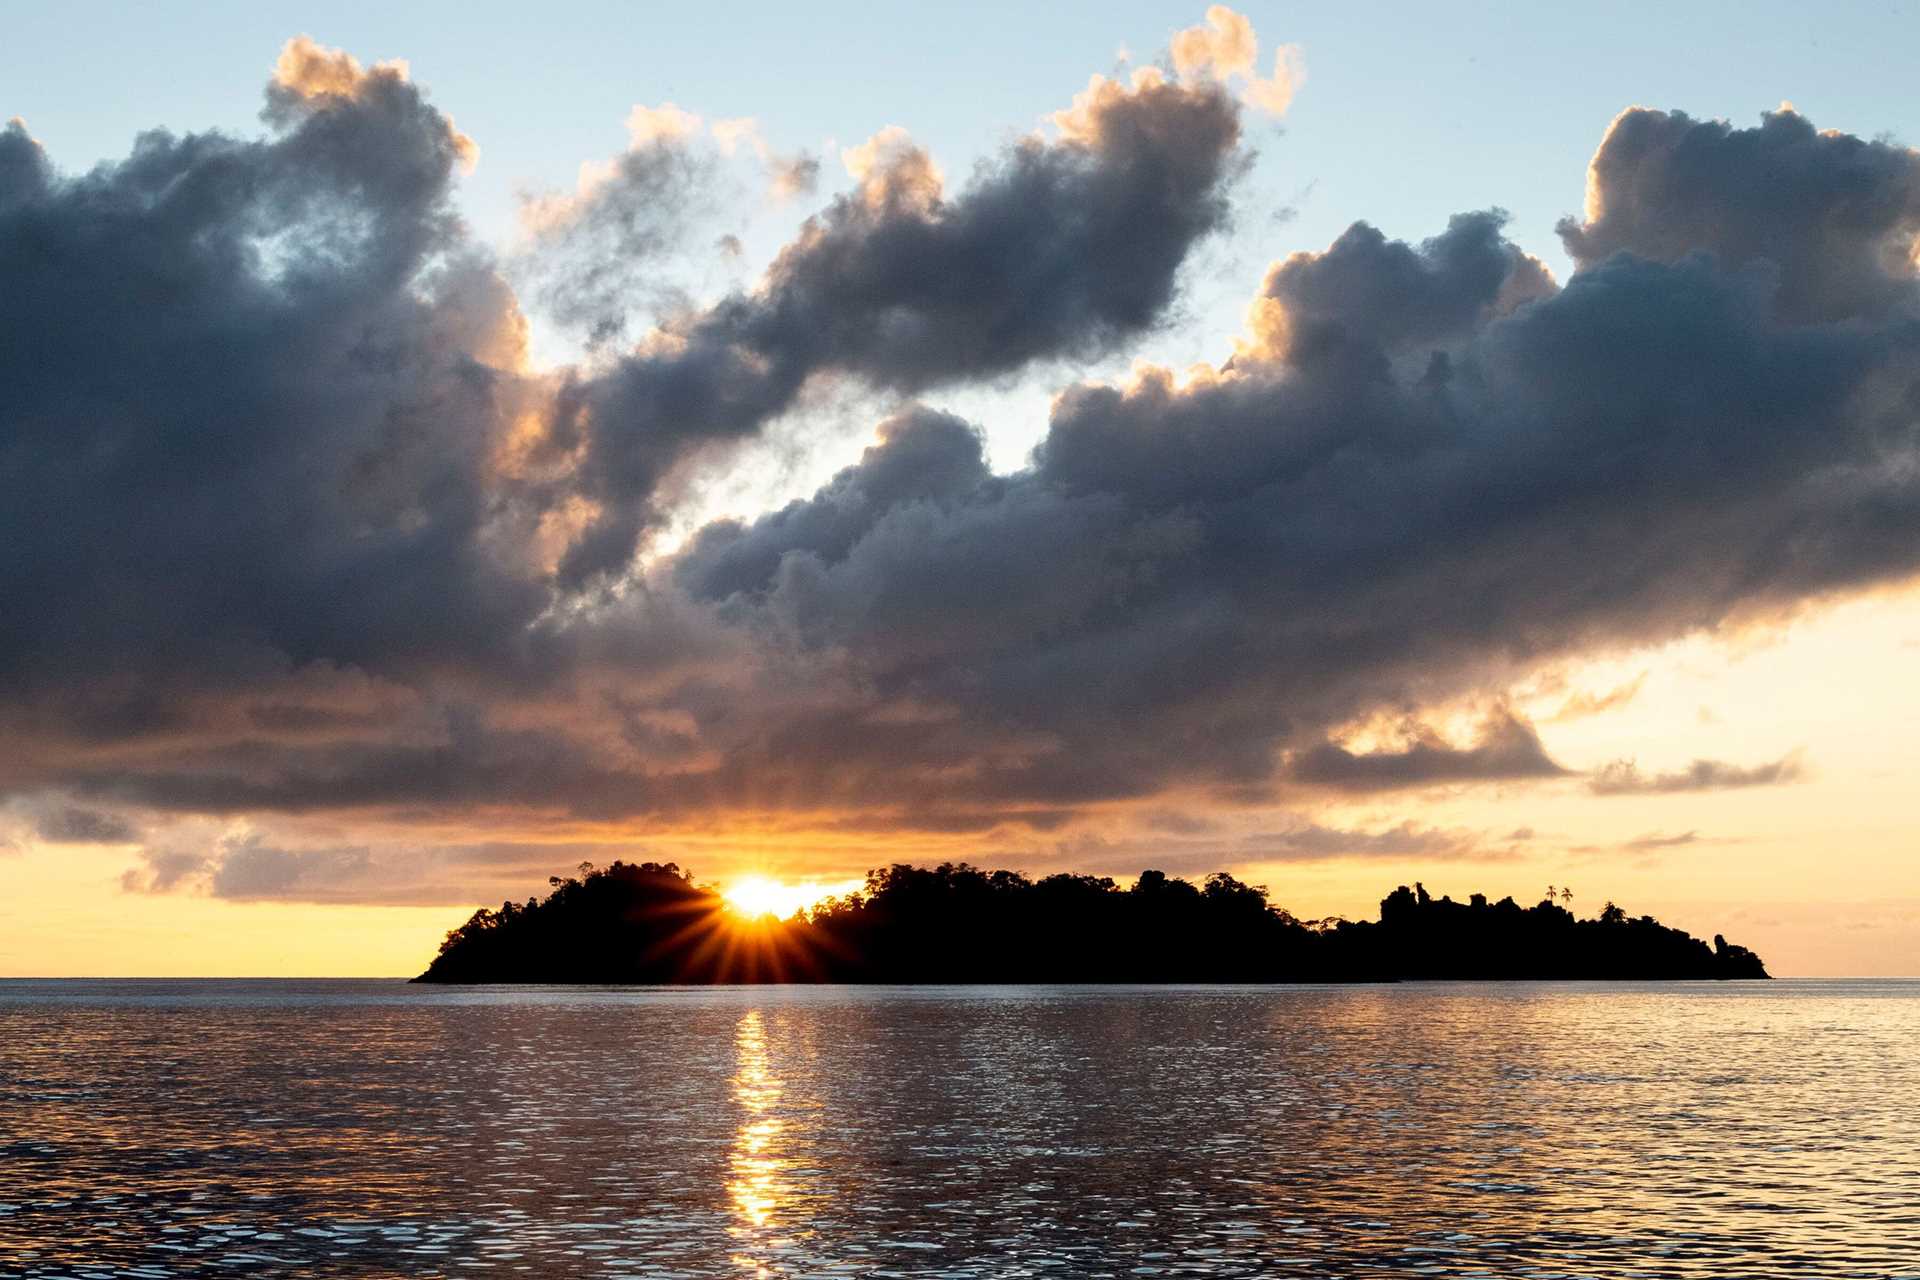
[(256, 866), (24, 169), (1061, 249), (1407, 841), (310, 77), (1829, 220), (72, 824), (1434, 465), (1652, 843), (1416, 475), (1173, 842), (256, 388), (1225, 47), (269, 427), (165, 871), (1658, 840), (788, 176), (1366, 289), (894, 171), (1624, 778), (595, 255), (1177, 823), (1581, 704), (664, 123), (251, 870), (1508, 748), (305, 540), (921, 455)]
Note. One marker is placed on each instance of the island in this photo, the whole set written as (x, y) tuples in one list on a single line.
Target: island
[(652, 923)]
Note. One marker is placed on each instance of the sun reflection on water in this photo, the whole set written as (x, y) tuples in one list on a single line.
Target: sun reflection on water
[(759, 1185)]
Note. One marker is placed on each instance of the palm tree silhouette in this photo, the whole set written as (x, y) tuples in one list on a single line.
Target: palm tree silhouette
[(1566, 895)]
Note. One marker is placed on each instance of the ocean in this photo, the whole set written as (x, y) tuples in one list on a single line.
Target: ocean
[(368, 1128)]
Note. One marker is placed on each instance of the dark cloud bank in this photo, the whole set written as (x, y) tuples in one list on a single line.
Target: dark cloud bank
[(290, 528)]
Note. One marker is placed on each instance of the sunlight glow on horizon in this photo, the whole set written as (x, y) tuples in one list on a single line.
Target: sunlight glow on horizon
[(755, 896)]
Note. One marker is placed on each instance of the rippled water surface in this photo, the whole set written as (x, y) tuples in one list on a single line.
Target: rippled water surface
[(313, 1128)]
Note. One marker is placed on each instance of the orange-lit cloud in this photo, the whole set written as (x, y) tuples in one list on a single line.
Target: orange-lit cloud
[(664, 123), (893, 171), (1225, 47), (312, 71)]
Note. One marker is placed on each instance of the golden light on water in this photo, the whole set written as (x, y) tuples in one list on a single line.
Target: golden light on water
[(759, 1185), (754, 897)]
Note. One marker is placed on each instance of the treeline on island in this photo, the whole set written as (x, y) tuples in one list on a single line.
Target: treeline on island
[(652, 923)]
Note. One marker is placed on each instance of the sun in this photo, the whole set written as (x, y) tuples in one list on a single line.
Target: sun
[(756, 896)]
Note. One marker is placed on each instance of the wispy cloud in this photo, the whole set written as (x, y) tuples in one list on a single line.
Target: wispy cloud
[(1582, 703), (1625, 778), (1658, 840), (1407, 841)]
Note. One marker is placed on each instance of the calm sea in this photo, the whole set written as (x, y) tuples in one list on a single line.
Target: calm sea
[(155, 1129)]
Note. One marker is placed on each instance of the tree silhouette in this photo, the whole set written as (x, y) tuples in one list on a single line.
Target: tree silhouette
[(652, 923)]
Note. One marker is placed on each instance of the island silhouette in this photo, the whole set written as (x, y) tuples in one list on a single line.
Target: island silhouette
[(653, 923)]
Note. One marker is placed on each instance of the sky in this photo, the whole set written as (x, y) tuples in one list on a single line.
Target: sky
[(1338, 445)]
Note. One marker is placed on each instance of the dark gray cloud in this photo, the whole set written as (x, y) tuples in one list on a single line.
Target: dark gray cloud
[(249, 410), (1377, 505), (24, 169), (72, 824), (297, 532), (1388, 295), (1831, 219), (595, 257), (286, 508), (1624, 777), (922, 457), (1060, 249)]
